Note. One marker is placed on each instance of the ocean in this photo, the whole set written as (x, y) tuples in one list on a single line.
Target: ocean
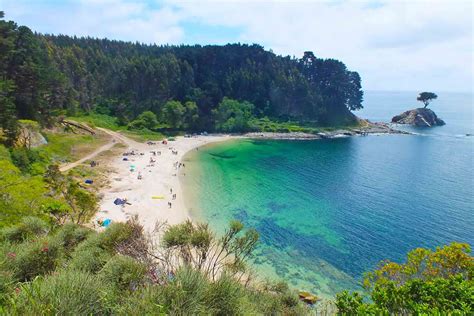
[(329, 210)]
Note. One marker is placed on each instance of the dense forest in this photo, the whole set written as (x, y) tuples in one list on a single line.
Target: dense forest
[(44, 75)]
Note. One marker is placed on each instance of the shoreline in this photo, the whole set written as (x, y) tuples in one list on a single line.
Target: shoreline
[(149, 196)]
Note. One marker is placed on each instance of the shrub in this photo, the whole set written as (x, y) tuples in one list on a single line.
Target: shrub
[(186, 293), (224, 296), (89, 258), (123, 272), (114, 235), (70, 235), (34, 258), (23, 158), (64, 293), (430, 282), (30, 227), (7, 282), (145, 301)]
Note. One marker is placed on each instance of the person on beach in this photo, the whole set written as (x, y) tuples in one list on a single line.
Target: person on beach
[(171, 190)]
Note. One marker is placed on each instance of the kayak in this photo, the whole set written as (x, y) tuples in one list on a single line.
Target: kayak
[(156, 197)]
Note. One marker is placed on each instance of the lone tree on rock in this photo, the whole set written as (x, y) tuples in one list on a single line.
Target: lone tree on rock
[(426, 97)]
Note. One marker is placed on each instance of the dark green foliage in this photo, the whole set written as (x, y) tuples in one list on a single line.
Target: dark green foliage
[(70, 235), (146, 120), (64, 293), (426, 97), (34, 258), (88, 273), (29, 228), (24, 158), (123, 272), (233, 116), (42, 76)]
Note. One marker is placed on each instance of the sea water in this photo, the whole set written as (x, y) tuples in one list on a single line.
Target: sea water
[(329, 210)]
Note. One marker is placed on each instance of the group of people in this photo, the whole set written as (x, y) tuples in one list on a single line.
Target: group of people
[(178, 165)]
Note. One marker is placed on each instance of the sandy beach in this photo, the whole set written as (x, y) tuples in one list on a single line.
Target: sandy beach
[(149, 197)]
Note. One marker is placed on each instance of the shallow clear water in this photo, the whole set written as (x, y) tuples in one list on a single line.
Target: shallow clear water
[(329, 210)]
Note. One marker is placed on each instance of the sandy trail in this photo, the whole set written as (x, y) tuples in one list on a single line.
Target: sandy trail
[(149, 196), (115, 137)]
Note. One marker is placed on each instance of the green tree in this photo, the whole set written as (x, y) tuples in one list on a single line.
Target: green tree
[(145, 120), (426, 97), (8, 118), (191, 116), (233, 116), (82, 203), (430, 282), (173, 114)]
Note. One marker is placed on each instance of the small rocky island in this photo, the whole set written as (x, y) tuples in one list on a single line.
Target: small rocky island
[(421, 117)]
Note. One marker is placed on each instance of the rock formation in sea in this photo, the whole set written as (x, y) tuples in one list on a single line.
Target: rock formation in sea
[(421, 117)]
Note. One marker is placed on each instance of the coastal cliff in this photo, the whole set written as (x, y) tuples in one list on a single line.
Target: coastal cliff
[(421, 117)]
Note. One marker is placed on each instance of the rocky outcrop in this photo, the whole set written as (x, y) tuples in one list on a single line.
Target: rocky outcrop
[(418, 117)]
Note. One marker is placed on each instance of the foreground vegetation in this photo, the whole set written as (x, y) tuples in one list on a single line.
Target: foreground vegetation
[(69, 269), (74, 270)]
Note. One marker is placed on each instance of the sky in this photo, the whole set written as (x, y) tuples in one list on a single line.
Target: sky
[(410, 45)]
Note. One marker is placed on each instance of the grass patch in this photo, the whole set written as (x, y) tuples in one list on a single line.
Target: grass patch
[(64, 147), (110, 122)]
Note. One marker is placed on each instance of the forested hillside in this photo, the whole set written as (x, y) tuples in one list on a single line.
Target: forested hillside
[(44, 75)]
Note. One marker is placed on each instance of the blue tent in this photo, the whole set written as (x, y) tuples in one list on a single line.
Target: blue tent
[(106, 222)]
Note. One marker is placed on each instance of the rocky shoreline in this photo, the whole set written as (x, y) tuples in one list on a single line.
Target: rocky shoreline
[(369, 129), (420, 117)]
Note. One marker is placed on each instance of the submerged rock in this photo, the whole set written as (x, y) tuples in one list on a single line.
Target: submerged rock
[(419, 117)]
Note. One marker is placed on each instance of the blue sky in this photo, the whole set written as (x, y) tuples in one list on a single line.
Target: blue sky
[(395, 45)]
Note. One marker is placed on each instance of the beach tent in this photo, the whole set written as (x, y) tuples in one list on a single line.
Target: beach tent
[(106, 222), (118, 201), (125, 159)]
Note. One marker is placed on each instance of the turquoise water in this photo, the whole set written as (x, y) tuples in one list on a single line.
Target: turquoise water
[(329, 210)]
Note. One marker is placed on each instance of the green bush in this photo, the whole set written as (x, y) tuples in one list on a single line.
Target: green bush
[(89, 258), (114, 235), (145, 301), (64, 293), (70, 235), (224, 296), (23, 158), (7, 282), (34, 258), (186, 293), (30, 227), (123, 272)]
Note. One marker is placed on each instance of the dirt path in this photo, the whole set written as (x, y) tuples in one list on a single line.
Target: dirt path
[(115, 138)]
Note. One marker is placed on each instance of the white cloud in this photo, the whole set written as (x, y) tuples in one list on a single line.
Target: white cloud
[(405, 45), (394, 44)]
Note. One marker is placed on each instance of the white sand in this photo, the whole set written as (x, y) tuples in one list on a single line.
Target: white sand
[(156, 180)]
